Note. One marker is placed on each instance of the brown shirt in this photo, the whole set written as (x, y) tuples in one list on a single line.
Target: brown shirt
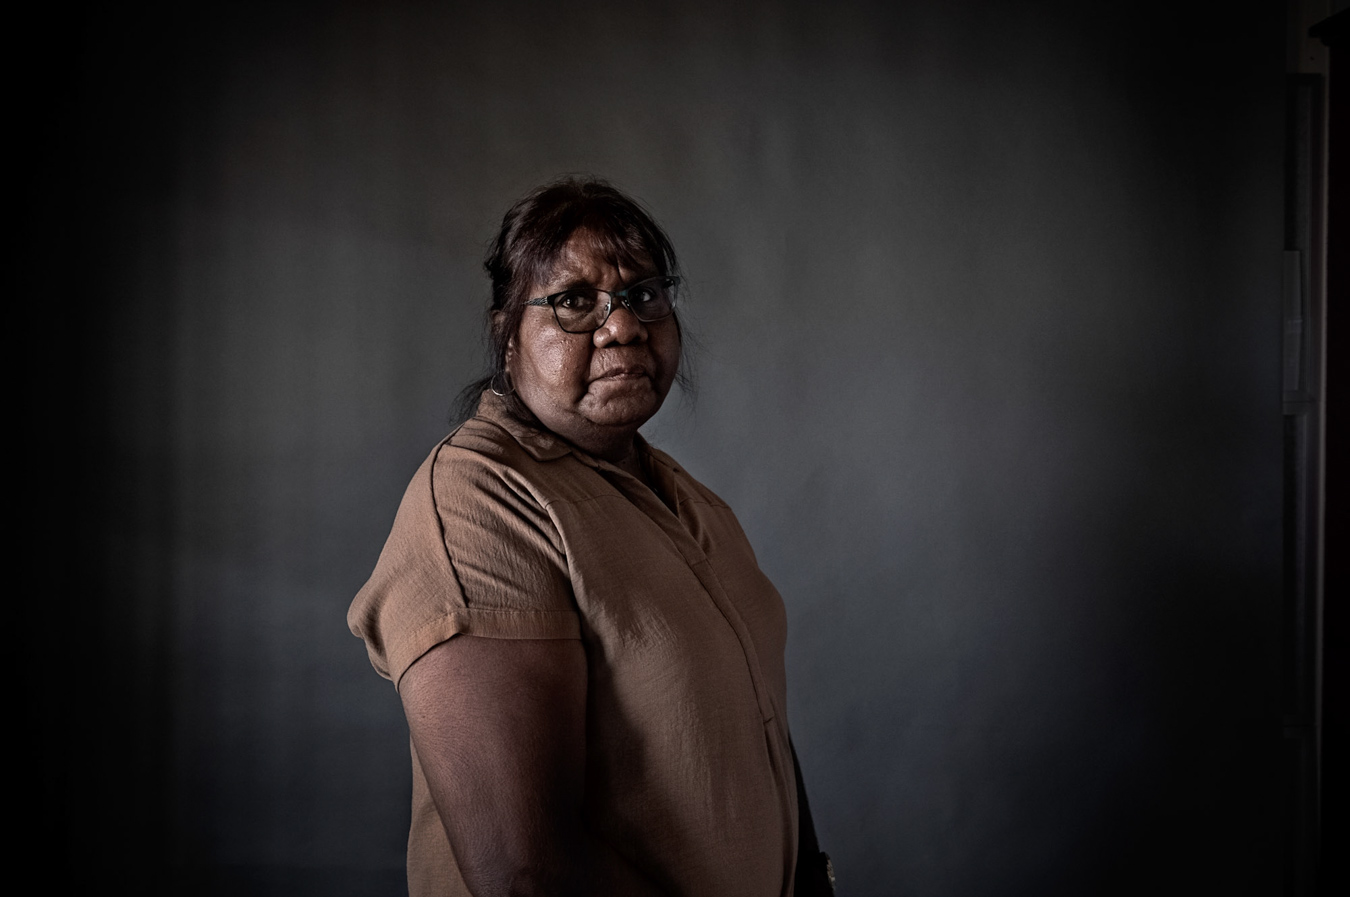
[(509, 532)]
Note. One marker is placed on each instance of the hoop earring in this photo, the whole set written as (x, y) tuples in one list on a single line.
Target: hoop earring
[(506, 377)]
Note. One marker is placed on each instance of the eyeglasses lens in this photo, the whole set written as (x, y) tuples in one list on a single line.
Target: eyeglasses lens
[(585, 309)]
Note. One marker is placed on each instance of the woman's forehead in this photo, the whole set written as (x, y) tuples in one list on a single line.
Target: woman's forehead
[(587, 256)]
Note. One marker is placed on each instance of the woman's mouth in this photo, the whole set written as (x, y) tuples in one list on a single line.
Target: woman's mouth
[(623, 373)]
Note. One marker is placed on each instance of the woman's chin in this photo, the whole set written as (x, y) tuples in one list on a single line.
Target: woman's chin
[(628, 409)]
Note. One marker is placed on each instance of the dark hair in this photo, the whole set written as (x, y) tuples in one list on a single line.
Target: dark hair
[(529, 245)]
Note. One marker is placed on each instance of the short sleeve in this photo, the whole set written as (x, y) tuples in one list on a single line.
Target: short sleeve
[(473, 552)]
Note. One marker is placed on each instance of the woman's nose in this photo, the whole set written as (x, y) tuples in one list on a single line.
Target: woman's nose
[(622, 328)]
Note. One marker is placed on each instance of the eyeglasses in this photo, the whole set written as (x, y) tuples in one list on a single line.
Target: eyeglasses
[(582, 310)]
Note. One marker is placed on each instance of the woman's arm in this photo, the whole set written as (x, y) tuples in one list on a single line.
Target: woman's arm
[(813, 878), (499, 726)]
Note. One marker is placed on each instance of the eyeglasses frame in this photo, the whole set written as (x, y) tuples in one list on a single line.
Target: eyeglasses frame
[(621, 295)]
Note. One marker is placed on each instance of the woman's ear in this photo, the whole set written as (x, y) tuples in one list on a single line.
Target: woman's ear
[(498, 322)]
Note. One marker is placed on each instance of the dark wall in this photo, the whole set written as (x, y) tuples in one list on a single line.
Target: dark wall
[(986, 298)]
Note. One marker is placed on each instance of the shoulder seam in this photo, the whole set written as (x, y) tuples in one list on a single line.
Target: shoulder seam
[(436, 509)]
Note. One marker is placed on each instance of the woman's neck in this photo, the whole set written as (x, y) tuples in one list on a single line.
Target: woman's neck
[(631, 463)]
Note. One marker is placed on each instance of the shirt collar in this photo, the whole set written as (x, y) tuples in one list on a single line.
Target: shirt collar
[(538, 443)]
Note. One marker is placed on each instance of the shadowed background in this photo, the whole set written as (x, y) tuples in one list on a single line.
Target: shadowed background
[(987, 308)]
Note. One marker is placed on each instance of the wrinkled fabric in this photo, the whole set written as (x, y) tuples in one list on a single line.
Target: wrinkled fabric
[(509, 532)]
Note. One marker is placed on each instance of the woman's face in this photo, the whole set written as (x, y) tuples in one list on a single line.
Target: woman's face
[(593, 389)]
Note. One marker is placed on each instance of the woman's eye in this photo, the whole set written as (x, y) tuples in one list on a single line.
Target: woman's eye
[(576, 300), (642, 294)]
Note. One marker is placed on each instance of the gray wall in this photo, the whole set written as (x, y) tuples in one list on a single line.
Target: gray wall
[(986, 302)]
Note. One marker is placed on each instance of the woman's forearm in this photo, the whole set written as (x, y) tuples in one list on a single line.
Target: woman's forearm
[(812, 875)]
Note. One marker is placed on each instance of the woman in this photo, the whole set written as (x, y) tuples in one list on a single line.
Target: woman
[(590, 660)]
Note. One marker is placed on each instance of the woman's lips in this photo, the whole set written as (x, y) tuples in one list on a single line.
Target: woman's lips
[(622, 381), (623, 373)]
